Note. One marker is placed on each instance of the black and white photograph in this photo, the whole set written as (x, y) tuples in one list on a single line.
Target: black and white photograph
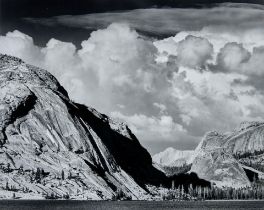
[(131, 104)]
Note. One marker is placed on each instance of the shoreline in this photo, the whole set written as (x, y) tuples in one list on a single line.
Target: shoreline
[(192, 201)]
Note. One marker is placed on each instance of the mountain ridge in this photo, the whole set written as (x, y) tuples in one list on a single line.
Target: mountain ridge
[(51, 145), (224, 158)]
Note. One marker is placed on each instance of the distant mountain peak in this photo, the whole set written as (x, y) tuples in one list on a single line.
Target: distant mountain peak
[(173, 157)]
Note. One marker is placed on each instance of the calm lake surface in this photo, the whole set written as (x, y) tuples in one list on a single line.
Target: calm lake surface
[(136, 205)]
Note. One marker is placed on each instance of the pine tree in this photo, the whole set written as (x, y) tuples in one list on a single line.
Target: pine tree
[(70, 147), (62, 175), (190, 190), (7, 186), (182, 191), (38, 176), (199, 192), (8, 168)]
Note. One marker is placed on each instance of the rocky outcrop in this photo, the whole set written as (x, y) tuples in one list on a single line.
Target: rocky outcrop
[(220, 168), (51, 145), (240, 149), (247, 138)]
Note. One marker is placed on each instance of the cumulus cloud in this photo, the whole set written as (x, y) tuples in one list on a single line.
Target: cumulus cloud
[(194, 52), (232, 56), (255, 62), (170, 91), (162, 127), (20, 45)]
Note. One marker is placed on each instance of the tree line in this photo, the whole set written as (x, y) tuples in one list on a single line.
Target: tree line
[(255, 192)]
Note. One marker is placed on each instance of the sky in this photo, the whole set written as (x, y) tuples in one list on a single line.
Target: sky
[(172, 71)]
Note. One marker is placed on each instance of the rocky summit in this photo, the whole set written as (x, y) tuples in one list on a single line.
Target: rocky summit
[(53, 147)]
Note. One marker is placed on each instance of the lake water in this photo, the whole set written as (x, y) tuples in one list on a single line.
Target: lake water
[(123, 205)]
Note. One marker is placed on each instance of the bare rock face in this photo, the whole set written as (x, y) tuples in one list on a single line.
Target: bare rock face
[(220, 168), (51, 145), (247, 138), (240, 149)]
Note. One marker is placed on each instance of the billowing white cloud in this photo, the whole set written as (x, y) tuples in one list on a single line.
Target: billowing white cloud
[(194, 52), (153, 128), (255, 63), (231, 56), (171, 90), (20, 45)]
